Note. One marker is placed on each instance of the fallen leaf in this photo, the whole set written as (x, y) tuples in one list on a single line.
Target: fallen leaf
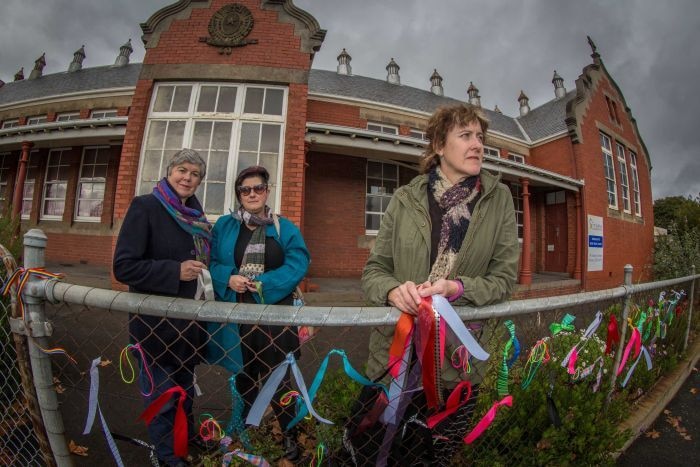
[(693, 390), (285, 463), (104, 363), (76, 449), (687, 437), (667, 412), (653, 434)]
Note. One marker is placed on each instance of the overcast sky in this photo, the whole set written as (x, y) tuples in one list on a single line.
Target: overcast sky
[(650, 48)]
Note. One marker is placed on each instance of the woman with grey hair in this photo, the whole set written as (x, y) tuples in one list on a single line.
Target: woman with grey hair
[(163, 245)]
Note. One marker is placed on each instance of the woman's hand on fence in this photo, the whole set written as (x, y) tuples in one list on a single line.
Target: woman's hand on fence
[(240, 284), (406, 297), (444, 287), (190, 269)]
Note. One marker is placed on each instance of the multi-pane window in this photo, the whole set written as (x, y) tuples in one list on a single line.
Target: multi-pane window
[(231, 126), (418, 134), (55, 185), (4, 175), (624, 180), (493, 152), (29, 183), (635, 184), (516, 191), (39, 119), (10, 124), (382, 181), (64, 117), (91, 184), (609, 167), (381, 128), (103, 113), (516, 157)]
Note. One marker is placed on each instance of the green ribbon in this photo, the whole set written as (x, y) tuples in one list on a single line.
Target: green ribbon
[(565, 325), (502, 382)]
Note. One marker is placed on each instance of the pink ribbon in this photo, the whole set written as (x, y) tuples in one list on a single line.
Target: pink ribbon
[(487, 419), (635, 340), (454, 402)]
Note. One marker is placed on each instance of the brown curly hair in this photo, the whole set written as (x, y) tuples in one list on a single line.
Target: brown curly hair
[(441, 122)]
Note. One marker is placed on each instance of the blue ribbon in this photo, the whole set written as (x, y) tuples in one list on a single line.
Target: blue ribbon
[(318, 379), (270, 388), (647, 357), (94, 407)]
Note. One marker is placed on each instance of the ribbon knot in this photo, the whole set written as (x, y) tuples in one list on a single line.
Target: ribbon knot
[(565, 325)]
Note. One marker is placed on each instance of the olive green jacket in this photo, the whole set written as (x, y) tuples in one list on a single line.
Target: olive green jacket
[(487, 262)]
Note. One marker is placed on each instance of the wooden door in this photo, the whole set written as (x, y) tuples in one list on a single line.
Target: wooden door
[(556, 235)]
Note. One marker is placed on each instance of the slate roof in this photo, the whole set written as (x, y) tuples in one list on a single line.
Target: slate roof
[(543, 121), (103, 77), (360, 87), (547, 119)]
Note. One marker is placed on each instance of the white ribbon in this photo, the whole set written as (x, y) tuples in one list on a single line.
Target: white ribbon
[(205, 287)]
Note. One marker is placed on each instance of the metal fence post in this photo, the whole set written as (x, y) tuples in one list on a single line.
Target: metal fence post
[(34, 249), (623, 331), (691, 297)]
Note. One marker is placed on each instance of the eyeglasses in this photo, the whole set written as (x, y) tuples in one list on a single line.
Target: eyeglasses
[(258, 189)]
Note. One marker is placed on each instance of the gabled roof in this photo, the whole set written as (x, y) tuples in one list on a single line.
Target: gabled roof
[(547, 119), (56, 84), (360, 87)]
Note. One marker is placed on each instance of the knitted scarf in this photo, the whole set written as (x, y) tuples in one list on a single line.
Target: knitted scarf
[(455, 200), (191, 220), (253, 263)]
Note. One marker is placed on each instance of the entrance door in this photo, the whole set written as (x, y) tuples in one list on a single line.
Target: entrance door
[(556, 232)]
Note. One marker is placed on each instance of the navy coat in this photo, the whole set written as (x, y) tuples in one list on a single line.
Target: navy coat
[(150, 248)]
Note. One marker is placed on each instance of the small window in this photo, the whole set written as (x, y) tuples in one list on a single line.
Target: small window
[(493, 152), (516, 158), (218, 99), (379, 128), (55, 185), (382, 182), (97, 114), (38, 120), (64, 117), (172, 98), (91, 185), (555, 197), (263, 101), (418, 134), (10, 124)]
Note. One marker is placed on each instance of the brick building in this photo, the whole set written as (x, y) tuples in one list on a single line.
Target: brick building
[(235, 82)]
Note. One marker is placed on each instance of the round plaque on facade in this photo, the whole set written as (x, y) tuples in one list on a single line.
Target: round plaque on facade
[(229, 28)]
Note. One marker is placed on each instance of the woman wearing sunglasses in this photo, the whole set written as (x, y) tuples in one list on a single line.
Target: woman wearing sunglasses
[(253, 261)]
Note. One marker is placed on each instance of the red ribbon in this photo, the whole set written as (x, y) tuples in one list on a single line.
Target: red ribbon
[(613, 335), (426, 351), (486, 421), (180, 428), (454, 402), (635, 340)]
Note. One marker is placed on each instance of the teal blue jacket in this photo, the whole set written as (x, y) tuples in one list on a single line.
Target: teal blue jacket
[(277, 283)]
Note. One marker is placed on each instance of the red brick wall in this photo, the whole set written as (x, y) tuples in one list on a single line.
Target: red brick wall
[(277, 45), (74, 249), (626, 240), (294, 155), (556, 156), (335, 114), (334, 215)]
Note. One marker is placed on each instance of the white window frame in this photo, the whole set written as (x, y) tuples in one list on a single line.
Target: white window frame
[(81, 180), (635, 184), (48, 183), (383, 128), (37, 120), (4, 176), (417, 134), (624, 178), (7, 124), (493, 152), (609, 170), (98, 114), (35, 153), (67, 116), (516, 157), (238, 118), (386, 197), (516, 191)]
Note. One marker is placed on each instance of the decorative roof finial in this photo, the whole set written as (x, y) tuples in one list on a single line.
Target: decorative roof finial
[(78, 57), (524, 104), (559, 89), (344, 67), (392, 69), (39, 65), (497, 110), (474, 97), (19, 76), (436, 83), (124, 52), (592, 44)]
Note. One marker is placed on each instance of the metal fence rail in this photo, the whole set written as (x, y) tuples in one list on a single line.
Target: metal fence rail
[(87, 323)]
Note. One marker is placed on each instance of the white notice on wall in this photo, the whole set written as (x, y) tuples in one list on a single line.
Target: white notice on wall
[(595, 243)]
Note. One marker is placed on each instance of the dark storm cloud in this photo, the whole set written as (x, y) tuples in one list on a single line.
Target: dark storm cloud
[(650, 48)]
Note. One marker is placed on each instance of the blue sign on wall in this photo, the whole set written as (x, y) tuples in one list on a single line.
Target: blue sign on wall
[(595, 241)]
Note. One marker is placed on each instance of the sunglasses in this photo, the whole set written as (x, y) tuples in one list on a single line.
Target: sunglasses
[(258, 189)]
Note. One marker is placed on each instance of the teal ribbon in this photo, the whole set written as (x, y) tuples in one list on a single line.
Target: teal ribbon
[(318, 379), (565, 325), (236, 425)]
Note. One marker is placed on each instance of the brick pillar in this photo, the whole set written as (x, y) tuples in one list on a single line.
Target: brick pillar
[(525, 271), (579, 237), (21, 176)]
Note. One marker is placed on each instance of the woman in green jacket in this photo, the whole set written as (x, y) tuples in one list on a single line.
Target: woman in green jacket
[(451, 231)]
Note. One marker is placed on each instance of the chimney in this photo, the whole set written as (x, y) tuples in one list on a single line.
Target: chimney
[(497, 110), (39, 65), (392, 76), (19, 76), (344, 67), (524, 106), (436, 83), (78, 57), (559, 89), (124, 52), (473, 92)]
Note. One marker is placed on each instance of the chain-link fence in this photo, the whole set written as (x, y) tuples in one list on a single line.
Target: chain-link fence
[(542, 409)]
